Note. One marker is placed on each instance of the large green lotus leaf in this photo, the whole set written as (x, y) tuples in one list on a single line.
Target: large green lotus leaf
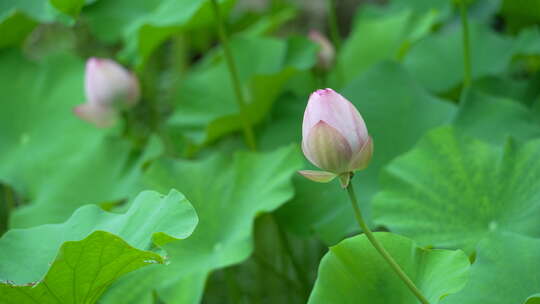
[(479, 10), (423, 6), (520, 13), (206, 112), (494, 118), (52, 158), (451, 190), (505, 271), (534, 299), (354, 272), (536, 106), (14, 28), (285, 125), (380, 34), (268, 22), (524, 90), (228, 193), (41, 10), (90, 250), (144, 24), (105, 172), (526, 42), (388, 100), (19, 17), (444, 50)]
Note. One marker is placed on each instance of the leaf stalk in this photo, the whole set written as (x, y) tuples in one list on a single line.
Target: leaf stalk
[(249, 135), (467, 70)]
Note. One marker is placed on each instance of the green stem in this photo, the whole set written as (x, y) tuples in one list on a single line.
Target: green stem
[(336, 41), (397, 269), (467, 77), (332, 22), (240, 99)]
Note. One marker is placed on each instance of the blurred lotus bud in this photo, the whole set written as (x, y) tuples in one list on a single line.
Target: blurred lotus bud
[(109, 87), (97, 115), (108, 83), (334, 137), (326, 55)]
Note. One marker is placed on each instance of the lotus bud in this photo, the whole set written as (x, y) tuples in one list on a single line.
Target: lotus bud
[(327, 53), (334, 137), (109, 88), (100, 116)]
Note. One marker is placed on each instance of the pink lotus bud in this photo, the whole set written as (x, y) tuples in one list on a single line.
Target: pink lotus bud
[(334, 137), (109, 87), (326, 53), (108, 83)]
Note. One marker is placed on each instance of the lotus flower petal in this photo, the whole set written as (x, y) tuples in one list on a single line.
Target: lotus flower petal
[(361, 159), (338, 112), (99, 116), (318, 176), (326, 148), (334, 135)]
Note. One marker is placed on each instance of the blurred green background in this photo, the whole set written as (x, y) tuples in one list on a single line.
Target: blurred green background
[(455, 163)]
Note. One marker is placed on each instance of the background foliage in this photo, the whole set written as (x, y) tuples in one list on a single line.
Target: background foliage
[(453, 186)]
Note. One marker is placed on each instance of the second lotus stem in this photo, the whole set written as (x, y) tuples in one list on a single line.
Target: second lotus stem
[(467, 70), (237, 85)]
